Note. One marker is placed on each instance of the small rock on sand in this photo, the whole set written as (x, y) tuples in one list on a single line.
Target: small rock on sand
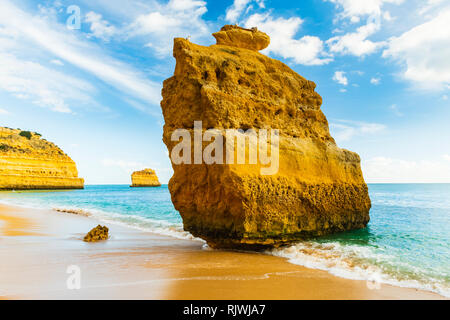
[(98, 233)]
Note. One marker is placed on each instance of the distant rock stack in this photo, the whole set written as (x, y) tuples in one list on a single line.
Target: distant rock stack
[(319, 188), (29, 162), (144, 178)]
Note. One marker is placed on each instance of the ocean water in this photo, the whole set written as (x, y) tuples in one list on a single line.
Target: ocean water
[(407, 242)]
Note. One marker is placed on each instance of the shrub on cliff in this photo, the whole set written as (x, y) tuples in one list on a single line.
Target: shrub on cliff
[(26, 134), (5, 147)]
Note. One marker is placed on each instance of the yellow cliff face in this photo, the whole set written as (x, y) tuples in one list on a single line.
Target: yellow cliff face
[(29, 162), (145, 178), (319, 188)]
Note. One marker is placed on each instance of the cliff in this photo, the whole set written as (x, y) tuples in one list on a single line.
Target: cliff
[(144, 178), (318, 188), (29, 162)]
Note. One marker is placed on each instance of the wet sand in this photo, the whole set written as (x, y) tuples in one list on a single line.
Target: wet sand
[(38, 246)]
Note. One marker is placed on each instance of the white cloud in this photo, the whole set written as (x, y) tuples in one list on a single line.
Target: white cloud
[(445, 97), (384, 169), (356, 43), (239, 7), (430, 5), (339, 77), (234, 11), (307, 50), (126, 166), (343, 90), (100, 28), (446, 157), (375, 81), (344, 130), (355, 9), (57, 62), (177, 18), (43, 86), (424, 51), (4, 112), (42, 37)]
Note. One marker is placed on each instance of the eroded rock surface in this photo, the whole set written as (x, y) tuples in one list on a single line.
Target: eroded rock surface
[(235, 36), (99, 233), (28, 161), (319, 188)]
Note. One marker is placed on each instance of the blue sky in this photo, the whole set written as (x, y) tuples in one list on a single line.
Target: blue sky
[(381, 66)]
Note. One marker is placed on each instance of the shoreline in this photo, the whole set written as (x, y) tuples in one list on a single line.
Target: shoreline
[(39, 246)]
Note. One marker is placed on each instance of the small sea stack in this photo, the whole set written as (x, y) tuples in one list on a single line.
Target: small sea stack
[(145, 178), (29, 162), (316, 188)]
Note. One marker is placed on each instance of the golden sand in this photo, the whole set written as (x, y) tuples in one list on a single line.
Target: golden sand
[(139, 265), (12, 225)]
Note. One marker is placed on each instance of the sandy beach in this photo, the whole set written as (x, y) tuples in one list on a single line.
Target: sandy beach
[(37, 247)]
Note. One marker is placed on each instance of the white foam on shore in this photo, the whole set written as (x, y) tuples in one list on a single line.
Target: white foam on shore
[(342, 260), (353, 262), (161, 227)]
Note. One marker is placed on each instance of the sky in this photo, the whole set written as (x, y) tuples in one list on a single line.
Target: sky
[(87, 75)]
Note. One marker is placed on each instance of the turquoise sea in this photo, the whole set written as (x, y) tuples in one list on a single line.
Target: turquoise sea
[(407, 242)]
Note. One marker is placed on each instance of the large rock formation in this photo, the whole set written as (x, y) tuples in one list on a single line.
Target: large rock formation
[(29, 162), (319, 188), (144, 178)]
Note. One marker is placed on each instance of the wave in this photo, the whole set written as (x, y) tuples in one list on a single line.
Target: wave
[(358, 263), (351, 261), (157, 226)]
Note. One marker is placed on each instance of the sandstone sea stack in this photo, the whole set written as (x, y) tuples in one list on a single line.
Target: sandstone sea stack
[(29, 162), (319, 188), (144, 178)]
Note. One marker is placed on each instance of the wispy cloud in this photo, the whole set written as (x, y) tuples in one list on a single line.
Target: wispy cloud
[(339, 77), (41, 85), (163, 22), (99, 27), (375, 81), (344, 130), (307, 50), (44, 34), (57, 62), (385, 169), (424, 51), (354, 10), (4, 112), (128, 167), (234, 12), (356, 43)]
